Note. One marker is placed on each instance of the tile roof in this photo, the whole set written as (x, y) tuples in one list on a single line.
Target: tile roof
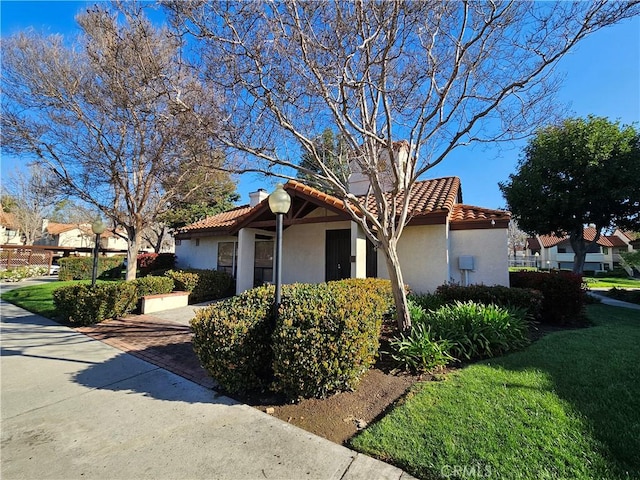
[(616, 241), (462, 213), (427, 196), (439, 196), (54, 228), (223, 220), (549, 241), (8, 220)]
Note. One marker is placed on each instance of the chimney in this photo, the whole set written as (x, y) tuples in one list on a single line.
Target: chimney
[(45, 224), (257, 197)]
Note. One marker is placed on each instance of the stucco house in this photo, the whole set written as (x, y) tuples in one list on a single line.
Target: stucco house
[(78, 236), (9, 232), (603, 255), (444, 241)]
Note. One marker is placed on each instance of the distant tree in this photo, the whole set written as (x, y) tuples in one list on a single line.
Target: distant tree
[(71, 212), (115, 115), (428, 76), (516, 238), (582, 171), (332, 149), (30, 196)]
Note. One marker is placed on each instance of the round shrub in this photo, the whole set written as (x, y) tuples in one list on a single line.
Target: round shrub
[(231, 339), (326, 336)]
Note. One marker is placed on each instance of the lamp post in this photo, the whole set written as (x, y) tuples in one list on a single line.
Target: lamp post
[(537, 255), (97, 228), (279, 203)]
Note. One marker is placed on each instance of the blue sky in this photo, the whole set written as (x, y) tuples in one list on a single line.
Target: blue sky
[(602, 77)]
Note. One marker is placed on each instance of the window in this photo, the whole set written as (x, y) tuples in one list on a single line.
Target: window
[(197, 242), (228, 257), (263, 262), (178, 242), (605, 250), (562, 249)]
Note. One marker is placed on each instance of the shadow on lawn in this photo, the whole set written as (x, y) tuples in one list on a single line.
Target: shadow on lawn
[(596, 370)]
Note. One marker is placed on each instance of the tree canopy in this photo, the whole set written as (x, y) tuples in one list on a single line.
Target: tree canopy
[(114, 115), (579, 172), (436, 75)]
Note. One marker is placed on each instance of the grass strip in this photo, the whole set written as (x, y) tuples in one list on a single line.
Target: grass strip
[(566, 407)]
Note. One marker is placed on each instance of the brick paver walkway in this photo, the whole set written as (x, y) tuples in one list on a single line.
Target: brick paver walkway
[(165, 344)]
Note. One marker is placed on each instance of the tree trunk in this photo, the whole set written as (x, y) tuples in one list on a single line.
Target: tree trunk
[(403, 317), (580, 248), (133, 241)]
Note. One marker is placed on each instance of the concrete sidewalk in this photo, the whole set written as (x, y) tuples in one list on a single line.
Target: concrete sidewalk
[(73, 407)]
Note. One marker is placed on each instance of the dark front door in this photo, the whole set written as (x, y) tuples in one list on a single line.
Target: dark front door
[(338, 255)]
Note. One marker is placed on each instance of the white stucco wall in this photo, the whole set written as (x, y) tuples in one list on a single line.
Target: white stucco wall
[(203, 256), (423, 258), (489, 249), (303, 251)]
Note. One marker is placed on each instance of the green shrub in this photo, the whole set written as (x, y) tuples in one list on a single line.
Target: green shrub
[(327, 335), (528, 299), (631, 296), (419, 351), (203, 285), (476, 330), (150, 262), (325, 338), (563, 295), (425, 302), (232, 339), (20, 273), (85, 305), (81, 268), (152, 285)]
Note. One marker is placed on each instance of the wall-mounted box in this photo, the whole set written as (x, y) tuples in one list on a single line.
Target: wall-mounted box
[(466, 262)]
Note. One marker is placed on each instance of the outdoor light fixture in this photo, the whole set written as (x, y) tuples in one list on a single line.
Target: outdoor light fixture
[(97, 228), (279, 203)]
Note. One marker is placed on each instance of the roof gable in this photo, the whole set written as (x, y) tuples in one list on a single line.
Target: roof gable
[(432, 202)]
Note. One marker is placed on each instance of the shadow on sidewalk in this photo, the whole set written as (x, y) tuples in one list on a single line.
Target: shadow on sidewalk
[(158, 383)]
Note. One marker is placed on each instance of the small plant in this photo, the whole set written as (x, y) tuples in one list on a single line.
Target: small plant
[(418, 351), (478, 331), (425, 301)]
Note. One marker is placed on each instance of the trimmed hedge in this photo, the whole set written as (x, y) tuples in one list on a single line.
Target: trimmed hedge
[(203, 285), (153, 286), (231, 339), (83, 305), (529, 300), (325, 338), (81, 268), (327, 335), (631, 296), (563, 295)]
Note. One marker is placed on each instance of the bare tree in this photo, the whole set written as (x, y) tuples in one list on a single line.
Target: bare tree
[(114, 115), (516, 239), (439, 75), (33, 194)]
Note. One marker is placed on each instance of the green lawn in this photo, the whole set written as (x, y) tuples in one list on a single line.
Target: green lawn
[(38, 298), (566, 407), (610, 282)]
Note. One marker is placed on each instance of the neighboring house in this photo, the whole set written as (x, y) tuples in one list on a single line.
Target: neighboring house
[(9, 232), (444, 241), (78, 236), (556, 252)]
